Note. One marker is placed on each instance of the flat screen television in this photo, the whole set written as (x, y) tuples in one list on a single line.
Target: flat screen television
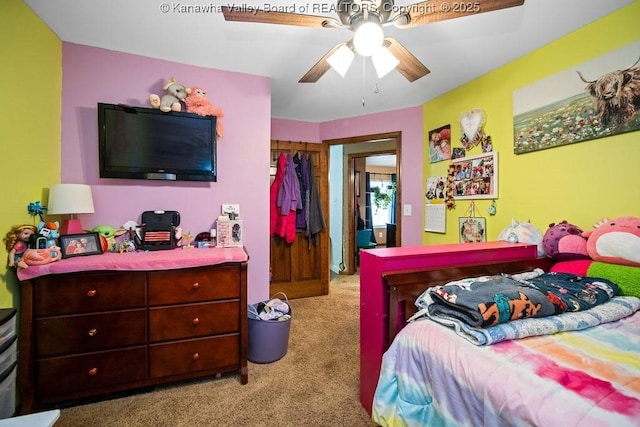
[(145, 143)]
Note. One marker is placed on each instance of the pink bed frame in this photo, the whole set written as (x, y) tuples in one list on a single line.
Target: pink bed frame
[(378, 317)]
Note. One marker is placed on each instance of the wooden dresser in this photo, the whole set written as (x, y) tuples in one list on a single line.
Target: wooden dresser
[(89, 333)]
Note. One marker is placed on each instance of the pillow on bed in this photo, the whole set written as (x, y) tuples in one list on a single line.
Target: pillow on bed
[(625, 276), (578, 267)]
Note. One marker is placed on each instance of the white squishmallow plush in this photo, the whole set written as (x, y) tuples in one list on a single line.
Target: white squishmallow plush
[(523, 232)]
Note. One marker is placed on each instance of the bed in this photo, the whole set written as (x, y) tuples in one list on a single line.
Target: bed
[(431, 375)]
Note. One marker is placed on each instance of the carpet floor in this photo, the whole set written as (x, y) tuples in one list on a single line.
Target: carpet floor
[(315, 384)]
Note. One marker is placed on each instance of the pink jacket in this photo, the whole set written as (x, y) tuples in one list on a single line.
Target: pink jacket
[(285, 199)]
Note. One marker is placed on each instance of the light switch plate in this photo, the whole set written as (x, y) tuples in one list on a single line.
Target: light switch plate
[(407, 210)]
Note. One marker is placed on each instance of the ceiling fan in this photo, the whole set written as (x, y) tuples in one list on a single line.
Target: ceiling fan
[(366, 19)]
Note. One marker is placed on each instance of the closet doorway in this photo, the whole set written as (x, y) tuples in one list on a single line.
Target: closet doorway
[(301, 269)]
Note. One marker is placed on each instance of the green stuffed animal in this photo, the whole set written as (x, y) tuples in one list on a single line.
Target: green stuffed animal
[(109, 234)]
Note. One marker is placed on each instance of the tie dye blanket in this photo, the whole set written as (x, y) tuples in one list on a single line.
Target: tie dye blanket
[(590, 377), (491, 300)]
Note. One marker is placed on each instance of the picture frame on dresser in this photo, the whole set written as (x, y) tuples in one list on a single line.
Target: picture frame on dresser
[(72, 245)]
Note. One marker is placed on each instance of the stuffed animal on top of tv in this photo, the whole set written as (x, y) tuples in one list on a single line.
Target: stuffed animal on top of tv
[(615, 241), (170, 101), (198, 103)]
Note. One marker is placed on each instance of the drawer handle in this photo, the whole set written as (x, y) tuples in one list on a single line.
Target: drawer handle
[(196, 356), (196, 285), (93, 332), (195, 321), (92, 293), (93, 372)]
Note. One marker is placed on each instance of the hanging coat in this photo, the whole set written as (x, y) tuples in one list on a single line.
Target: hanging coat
[(315, 219), (288, 201), (302, 171), (273, 193)]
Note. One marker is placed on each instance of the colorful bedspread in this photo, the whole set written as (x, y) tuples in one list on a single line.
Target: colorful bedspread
[(590, 377)]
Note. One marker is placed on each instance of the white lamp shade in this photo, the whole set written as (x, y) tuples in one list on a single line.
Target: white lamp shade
[(384, 61), (341, 59), (70, 199), (368, 38)]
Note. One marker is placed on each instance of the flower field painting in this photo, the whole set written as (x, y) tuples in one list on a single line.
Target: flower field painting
[(593, 100)]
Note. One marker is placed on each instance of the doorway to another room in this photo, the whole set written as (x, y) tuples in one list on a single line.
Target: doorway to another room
[(365, 181)]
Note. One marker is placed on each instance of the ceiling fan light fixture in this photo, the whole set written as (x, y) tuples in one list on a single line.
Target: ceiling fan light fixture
[(384, 61), (368, 38), (341, 59)]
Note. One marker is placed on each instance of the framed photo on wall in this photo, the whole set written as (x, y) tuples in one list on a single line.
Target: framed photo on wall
[(72, 245), (472, 229), (475, 177)]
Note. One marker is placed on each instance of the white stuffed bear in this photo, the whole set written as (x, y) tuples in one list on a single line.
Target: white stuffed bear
[(171, 100)]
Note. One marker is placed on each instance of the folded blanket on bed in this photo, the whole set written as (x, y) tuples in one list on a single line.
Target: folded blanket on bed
[(615, 309), (491, 300)]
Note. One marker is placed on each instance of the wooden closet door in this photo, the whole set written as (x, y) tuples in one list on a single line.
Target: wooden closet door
[(301, 269)]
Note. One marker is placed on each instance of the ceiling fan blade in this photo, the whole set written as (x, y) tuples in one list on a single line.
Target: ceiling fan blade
[(430, 11), (241, 14), (410, 67), (320, 67)]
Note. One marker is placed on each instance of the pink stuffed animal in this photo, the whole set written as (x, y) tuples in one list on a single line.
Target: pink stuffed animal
[(615, 241), (40, 256), (198, 103)]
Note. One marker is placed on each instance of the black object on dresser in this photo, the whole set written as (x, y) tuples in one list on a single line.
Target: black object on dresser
[(96, 332)]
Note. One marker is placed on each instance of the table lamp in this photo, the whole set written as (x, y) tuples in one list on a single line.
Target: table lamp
[(70, 199)]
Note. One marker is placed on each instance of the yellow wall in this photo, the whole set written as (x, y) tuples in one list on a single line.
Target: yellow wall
[(583, 182), (31, 73)]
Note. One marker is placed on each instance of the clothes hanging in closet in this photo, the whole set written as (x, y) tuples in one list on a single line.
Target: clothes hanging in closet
[(288, 201), (273, 193), (302, 171), (315, 218)]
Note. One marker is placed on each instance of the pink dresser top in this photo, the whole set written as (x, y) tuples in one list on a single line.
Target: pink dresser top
[(138, 261)]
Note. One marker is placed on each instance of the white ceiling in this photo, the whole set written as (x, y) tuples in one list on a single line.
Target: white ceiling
[(455, 51), (381, 160)]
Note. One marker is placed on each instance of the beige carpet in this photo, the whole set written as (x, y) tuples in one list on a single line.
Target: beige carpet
[(315, 384)]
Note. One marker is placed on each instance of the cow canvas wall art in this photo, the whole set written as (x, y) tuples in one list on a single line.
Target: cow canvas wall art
[(595, 99)]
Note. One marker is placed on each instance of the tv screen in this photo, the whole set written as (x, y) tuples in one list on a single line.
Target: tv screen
[(145, 143)]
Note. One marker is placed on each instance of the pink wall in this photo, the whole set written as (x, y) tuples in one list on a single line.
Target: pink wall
[(409, 122), (295, 130), (92, 75)]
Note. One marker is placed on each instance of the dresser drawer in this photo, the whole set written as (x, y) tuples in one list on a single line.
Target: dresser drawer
[(202, 354), (90, 332), (193, 285), (84, 293), (94, 371), (193, 320)]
